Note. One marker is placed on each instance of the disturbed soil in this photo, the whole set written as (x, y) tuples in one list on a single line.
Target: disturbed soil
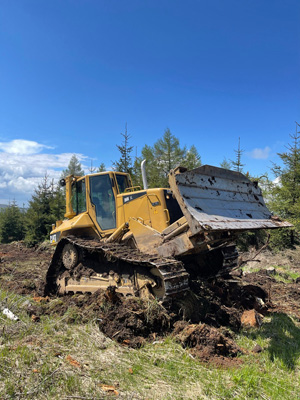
[(198, 321)]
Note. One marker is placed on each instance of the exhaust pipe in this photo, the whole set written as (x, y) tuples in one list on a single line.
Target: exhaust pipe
[(144, 176)]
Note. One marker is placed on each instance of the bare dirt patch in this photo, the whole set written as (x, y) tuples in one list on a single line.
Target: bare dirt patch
[(281, 297), (197, 320), (134, 321), (23, 269), (207, 343)]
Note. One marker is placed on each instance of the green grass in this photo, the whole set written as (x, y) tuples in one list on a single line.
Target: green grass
[(284, 274), (35, 362)]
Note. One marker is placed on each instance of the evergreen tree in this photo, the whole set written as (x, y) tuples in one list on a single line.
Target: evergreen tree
[(12, 224), (154, 176), (285, 200), (166, 154), (136, 174), (226, 164), (92, 169), (124, 164), (74, 168), (58, 203), (237, 164), (101, 167), (39, 217), (192, 158)]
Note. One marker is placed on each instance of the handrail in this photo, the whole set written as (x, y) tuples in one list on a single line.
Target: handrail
[(132, 189)]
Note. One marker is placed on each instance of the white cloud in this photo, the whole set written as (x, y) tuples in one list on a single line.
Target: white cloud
[(260, 154), (277, 181), (23, 166), (20, 146)]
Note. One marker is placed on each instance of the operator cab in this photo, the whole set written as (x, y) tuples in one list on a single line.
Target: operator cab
[(102, 189)]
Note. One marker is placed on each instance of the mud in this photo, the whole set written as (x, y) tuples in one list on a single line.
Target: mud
[(198, 320), (281, 297), (23, 269), (206, 343), (133, 321)]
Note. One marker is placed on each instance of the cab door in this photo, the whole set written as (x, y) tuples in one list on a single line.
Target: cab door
[(103, 202)]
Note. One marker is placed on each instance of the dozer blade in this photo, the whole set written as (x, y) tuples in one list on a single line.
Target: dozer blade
[(217, 199)]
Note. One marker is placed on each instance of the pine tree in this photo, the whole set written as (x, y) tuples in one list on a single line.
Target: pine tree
[(39, 217), (12, 226), (166, 154), (74, 168), (101, 167), (192, 158), (226, 164), (237, 164), (285, 200), (92, 169), (58, 203), (136, 174), (153, 171), (124, 164)]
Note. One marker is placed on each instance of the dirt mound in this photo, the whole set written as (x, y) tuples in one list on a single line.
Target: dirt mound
[(205, 342), (133, 321), (129, 321), (23, 269), (221, 302), (79, 308), (281, 297)]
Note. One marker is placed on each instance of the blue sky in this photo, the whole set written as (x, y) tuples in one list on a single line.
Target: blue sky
[(72, 73)]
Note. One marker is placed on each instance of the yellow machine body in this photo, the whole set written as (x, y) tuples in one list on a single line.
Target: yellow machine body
[(145, 211), (141, 240)]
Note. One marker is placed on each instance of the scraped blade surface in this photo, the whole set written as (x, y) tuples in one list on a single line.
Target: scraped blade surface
[(217, 199)]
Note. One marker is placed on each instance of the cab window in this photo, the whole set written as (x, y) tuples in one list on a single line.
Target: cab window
[(123, 182), (79, 196), (102, 197)]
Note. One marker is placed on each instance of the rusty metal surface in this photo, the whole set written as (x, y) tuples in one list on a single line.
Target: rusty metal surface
[(215, 199)]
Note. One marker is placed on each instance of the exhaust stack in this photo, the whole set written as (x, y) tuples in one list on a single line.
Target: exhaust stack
[(144, 176)]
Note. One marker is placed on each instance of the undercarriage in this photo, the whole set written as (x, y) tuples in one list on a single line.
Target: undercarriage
[(86, 265)]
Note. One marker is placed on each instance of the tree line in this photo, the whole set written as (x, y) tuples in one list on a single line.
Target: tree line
[(47, 203)]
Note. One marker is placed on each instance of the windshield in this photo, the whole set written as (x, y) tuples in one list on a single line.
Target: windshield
[(102, 196)]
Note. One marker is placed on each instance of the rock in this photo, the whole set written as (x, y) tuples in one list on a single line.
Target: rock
[(271, 271), (236, 273), (260, 305), (9, 314), (251, 319), (257, 349)]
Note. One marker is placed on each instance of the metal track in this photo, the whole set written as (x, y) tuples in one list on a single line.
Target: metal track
[(172, 274)]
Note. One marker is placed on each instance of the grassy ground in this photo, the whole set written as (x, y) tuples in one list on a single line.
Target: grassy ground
[(60, 357), (53, 359)]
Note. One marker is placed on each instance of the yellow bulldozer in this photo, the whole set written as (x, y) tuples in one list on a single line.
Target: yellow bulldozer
[(142, 242)]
